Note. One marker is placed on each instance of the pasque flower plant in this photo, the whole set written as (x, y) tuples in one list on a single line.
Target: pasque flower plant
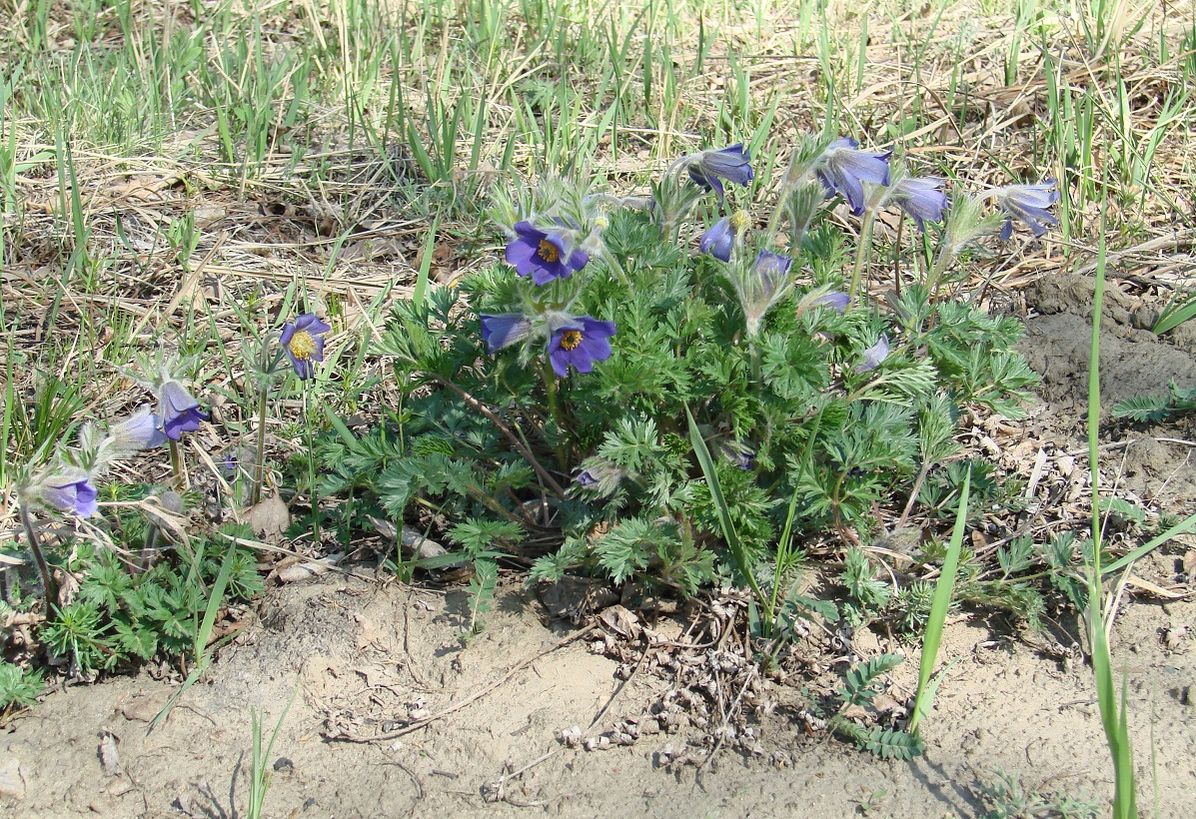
[(543, 394)]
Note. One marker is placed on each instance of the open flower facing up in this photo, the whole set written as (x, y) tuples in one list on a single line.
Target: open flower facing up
[(921, 197), (843, 169), (709, 168), (578, 342), (874, 355), (69, 491), (544, 254), (501, 330), (1029, 204), (303, 339), (718, 240), (178, 410)]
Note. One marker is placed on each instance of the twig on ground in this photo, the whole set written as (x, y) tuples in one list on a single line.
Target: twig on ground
[(345, 736)]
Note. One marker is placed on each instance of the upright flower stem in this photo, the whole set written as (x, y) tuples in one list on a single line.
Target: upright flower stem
[(176, 466), (861, 250), (259, 476), (554, 407), (313, 492), (35, 546)]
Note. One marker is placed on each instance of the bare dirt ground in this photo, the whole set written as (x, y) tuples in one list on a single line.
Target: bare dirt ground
[(345, 646)]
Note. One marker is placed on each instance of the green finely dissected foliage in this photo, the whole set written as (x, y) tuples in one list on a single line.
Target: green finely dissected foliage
[(19, 688), (122, 616), (598, 473)]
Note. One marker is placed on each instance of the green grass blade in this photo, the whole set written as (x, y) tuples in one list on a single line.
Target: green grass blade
[(938, 609), (738, 552), (425, 265), (1113, 719), (1183, 527)]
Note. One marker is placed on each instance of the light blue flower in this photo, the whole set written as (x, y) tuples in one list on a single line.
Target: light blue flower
[(1029, 204), (874, 355), (843, 169)]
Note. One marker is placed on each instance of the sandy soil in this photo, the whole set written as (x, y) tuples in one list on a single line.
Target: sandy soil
[(354, 651)]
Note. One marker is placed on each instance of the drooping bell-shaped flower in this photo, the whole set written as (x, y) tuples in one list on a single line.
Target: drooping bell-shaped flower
[(843, 169), (1029, 204), (178, 410), (69, 490), (708, 169), (501, 330), (874, 355)]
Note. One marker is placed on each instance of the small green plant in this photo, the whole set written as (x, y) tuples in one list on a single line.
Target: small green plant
[(860, 687), (1004, 797), (19, 687), (259, 776), (121, 616), (1148, 409)]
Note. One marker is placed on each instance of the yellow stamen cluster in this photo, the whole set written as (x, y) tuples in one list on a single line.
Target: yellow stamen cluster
[(741, 220), (571, 339), (548, 252), (302, 345)]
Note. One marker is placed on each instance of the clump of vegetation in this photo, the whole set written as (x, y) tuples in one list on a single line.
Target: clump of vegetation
[(609, 402)]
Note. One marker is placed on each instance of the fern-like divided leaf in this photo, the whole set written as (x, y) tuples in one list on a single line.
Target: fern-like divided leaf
[(1144, 409), (858, 681), (888, 743)]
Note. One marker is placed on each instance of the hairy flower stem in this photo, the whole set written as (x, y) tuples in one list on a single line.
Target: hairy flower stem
[(176, 466), (754, 352), (313, 491), (861, 251), (897, 258), (940, 266), (519, 445), (35, 546), (554, 406), (259, 475)]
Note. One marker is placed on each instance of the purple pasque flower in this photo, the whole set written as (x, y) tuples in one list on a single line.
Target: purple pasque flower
[(70, 491), (843, 169), (740, 454), (586, 479), (772, 267), (718, 239), (578, 342), (303, 339), (921, 197), (835, 300), (709, 168), (544, 254), (1029, 204), (141, 430), (178, 410), (874, 355), (761, 286), (501, 330)]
